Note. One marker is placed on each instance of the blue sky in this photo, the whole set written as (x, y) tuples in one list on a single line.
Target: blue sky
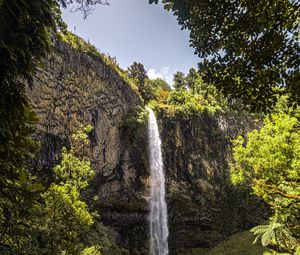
[(134, 30)]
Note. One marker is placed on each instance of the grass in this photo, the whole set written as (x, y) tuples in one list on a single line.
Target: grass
[(237, 244)]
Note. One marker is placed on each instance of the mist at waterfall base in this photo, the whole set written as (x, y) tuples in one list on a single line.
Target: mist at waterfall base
[(158, 218)]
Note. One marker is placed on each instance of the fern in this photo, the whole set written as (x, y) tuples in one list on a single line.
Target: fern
[(266, 233), (274, 233), (258, 231)]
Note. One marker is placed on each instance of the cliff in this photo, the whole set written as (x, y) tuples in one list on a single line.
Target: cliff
[(75, 88), (204, 208)]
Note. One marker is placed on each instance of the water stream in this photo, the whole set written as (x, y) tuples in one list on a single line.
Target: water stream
[(158, 208)]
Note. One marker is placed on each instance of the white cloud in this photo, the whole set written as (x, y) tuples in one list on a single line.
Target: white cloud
[(153, 74), (164, 73)]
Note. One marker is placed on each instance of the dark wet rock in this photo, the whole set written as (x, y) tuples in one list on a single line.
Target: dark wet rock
[(204, 208), (73, 88)]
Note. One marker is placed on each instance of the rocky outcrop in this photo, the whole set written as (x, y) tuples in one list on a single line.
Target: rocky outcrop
[(73, 88), (204, 208)]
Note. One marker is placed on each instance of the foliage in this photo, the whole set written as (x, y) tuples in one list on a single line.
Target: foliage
[(237, 244), (78, 43), (208, 91), (162, 95), (23, 40), (104, 238), (269, 162), (159, 84), (135, 126), (192, 79), (155, 88), (179, 81), (270, 252), (62, 217), (269, 234), (94, 250), (25, 27), (138, 74), (146, 87), (137, 118), (190, 98), (18, 189), (183, 104), (137, 71), (59, 222), (250, 49)]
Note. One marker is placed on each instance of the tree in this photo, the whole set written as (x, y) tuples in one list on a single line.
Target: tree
[(269, 163), (159, 84), (24, 38), (26, 27), (154, 88), (249, 49), (194, 82), (192, 79), (19, 191), (138, 73), (62, 217), (179, 80)]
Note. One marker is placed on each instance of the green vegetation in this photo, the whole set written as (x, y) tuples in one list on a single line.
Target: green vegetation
[(156, 88), (191, 97), (25, 37), (94, 250), (146, 87), (60, 222), (78, 43), (135, 126), (269, 162), (250, 51), (62, 216), (26, 28), (179, 80), (137, 72), (250, 48), (237, 244)]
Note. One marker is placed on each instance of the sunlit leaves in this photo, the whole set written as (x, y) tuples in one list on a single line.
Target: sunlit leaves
[(94, 250), (63, 217), (191, 97), (269, 162)]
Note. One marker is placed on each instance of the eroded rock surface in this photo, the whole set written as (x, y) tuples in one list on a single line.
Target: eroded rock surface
[(75, 88), (72, 89), (204, 208)]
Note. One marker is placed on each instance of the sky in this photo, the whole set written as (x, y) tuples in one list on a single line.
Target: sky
[(134, 30)]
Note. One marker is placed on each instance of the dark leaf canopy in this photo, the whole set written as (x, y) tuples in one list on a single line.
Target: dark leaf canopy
[(250, 49)]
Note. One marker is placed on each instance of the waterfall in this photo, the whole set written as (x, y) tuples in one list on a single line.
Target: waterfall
[(158, 208)]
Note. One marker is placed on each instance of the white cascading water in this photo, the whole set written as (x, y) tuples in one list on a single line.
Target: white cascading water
[(158, 209)]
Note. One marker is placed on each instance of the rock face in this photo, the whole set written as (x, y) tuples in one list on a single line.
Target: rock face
[(203, 206), (75, 88)]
